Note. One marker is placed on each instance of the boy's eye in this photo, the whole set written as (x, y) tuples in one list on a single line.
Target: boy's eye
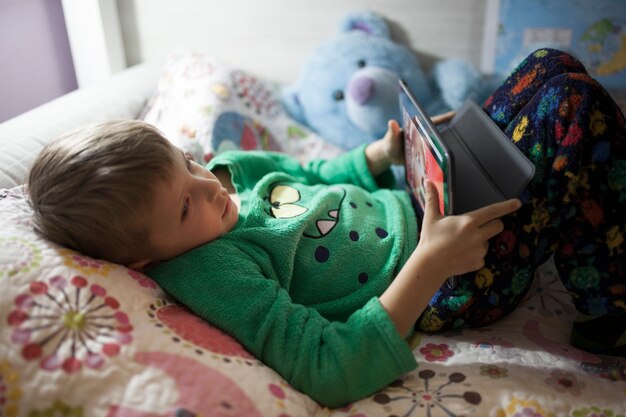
[(185, 208)]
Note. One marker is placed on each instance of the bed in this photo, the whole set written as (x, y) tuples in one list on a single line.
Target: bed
[(84, 337)]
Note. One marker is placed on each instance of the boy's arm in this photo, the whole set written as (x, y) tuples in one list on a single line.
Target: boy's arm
[(366, 167), (348, 168)]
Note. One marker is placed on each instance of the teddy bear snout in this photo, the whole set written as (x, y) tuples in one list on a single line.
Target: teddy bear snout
[(361, 89), (372, 99)]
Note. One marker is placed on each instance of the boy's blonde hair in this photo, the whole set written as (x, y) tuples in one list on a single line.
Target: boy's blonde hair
[(91, 188)]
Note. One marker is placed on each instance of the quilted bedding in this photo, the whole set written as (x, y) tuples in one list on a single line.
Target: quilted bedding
[(83, 337)]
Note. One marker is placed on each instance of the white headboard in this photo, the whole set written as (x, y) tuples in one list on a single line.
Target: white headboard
[(272, 38)]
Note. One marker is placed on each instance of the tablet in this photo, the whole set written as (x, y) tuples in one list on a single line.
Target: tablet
[(425, 157), (471, 161)]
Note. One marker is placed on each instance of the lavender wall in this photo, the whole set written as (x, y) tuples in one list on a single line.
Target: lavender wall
[(35, 58)]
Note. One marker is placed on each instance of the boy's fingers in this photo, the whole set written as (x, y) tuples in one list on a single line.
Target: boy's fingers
[(492, 228), (494, 211), (432, 201)]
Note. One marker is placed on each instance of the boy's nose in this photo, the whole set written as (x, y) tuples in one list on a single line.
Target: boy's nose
[(214, 188), (209, 188)]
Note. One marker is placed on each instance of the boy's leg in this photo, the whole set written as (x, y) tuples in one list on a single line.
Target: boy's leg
[(526, 80), (575, 135), (501, 284), (591, 251)]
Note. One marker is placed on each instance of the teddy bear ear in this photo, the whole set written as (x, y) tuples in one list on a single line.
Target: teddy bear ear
[(367, 22), (291, 103)]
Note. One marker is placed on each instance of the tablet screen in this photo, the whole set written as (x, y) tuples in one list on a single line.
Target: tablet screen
[(421, 162)]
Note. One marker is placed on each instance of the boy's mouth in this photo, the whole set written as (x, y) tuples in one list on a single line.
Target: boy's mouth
[(226, 207)]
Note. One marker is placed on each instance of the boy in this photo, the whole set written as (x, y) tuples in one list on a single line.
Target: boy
[(165, 205), (316, 269)]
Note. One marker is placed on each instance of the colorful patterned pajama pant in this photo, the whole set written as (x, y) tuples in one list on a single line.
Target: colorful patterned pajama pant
[(574, 208)]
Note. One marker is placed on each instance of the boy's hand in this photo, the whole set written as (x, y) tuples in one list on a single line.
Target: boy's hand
[(455, 245), (386, 151), (448, 246)]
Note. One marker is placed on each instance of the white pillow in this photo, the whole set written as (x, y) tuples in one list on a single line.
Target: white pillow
[(204, 107)]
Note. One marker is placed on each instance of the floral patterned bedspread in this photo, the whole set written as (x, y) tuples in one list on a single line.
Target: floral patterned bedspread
[(83, 337)]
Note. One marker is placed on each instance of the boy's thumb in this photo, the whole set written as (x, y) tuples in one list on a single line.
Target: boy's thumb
[(432, 200)]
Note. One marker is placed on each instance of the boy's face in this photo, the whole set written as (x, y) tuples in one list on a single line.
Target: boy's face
[(189, 209)]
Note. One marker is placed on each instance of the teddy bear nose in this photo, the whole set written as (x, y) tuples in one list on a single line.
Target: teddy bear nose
[(361, 89)]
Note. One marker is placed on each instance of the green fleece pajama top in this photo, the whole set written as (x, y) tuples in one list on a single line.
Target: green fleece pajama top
[(297, 280)]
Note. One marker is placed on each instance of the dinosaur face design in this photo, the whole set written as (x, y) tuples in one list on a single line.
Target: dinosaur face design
[(325, 225), (287, 202), (283, 201)]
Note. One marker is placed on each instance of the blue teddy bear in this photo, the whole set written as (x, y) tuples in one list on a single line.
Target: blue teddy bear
[(348, 88)]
